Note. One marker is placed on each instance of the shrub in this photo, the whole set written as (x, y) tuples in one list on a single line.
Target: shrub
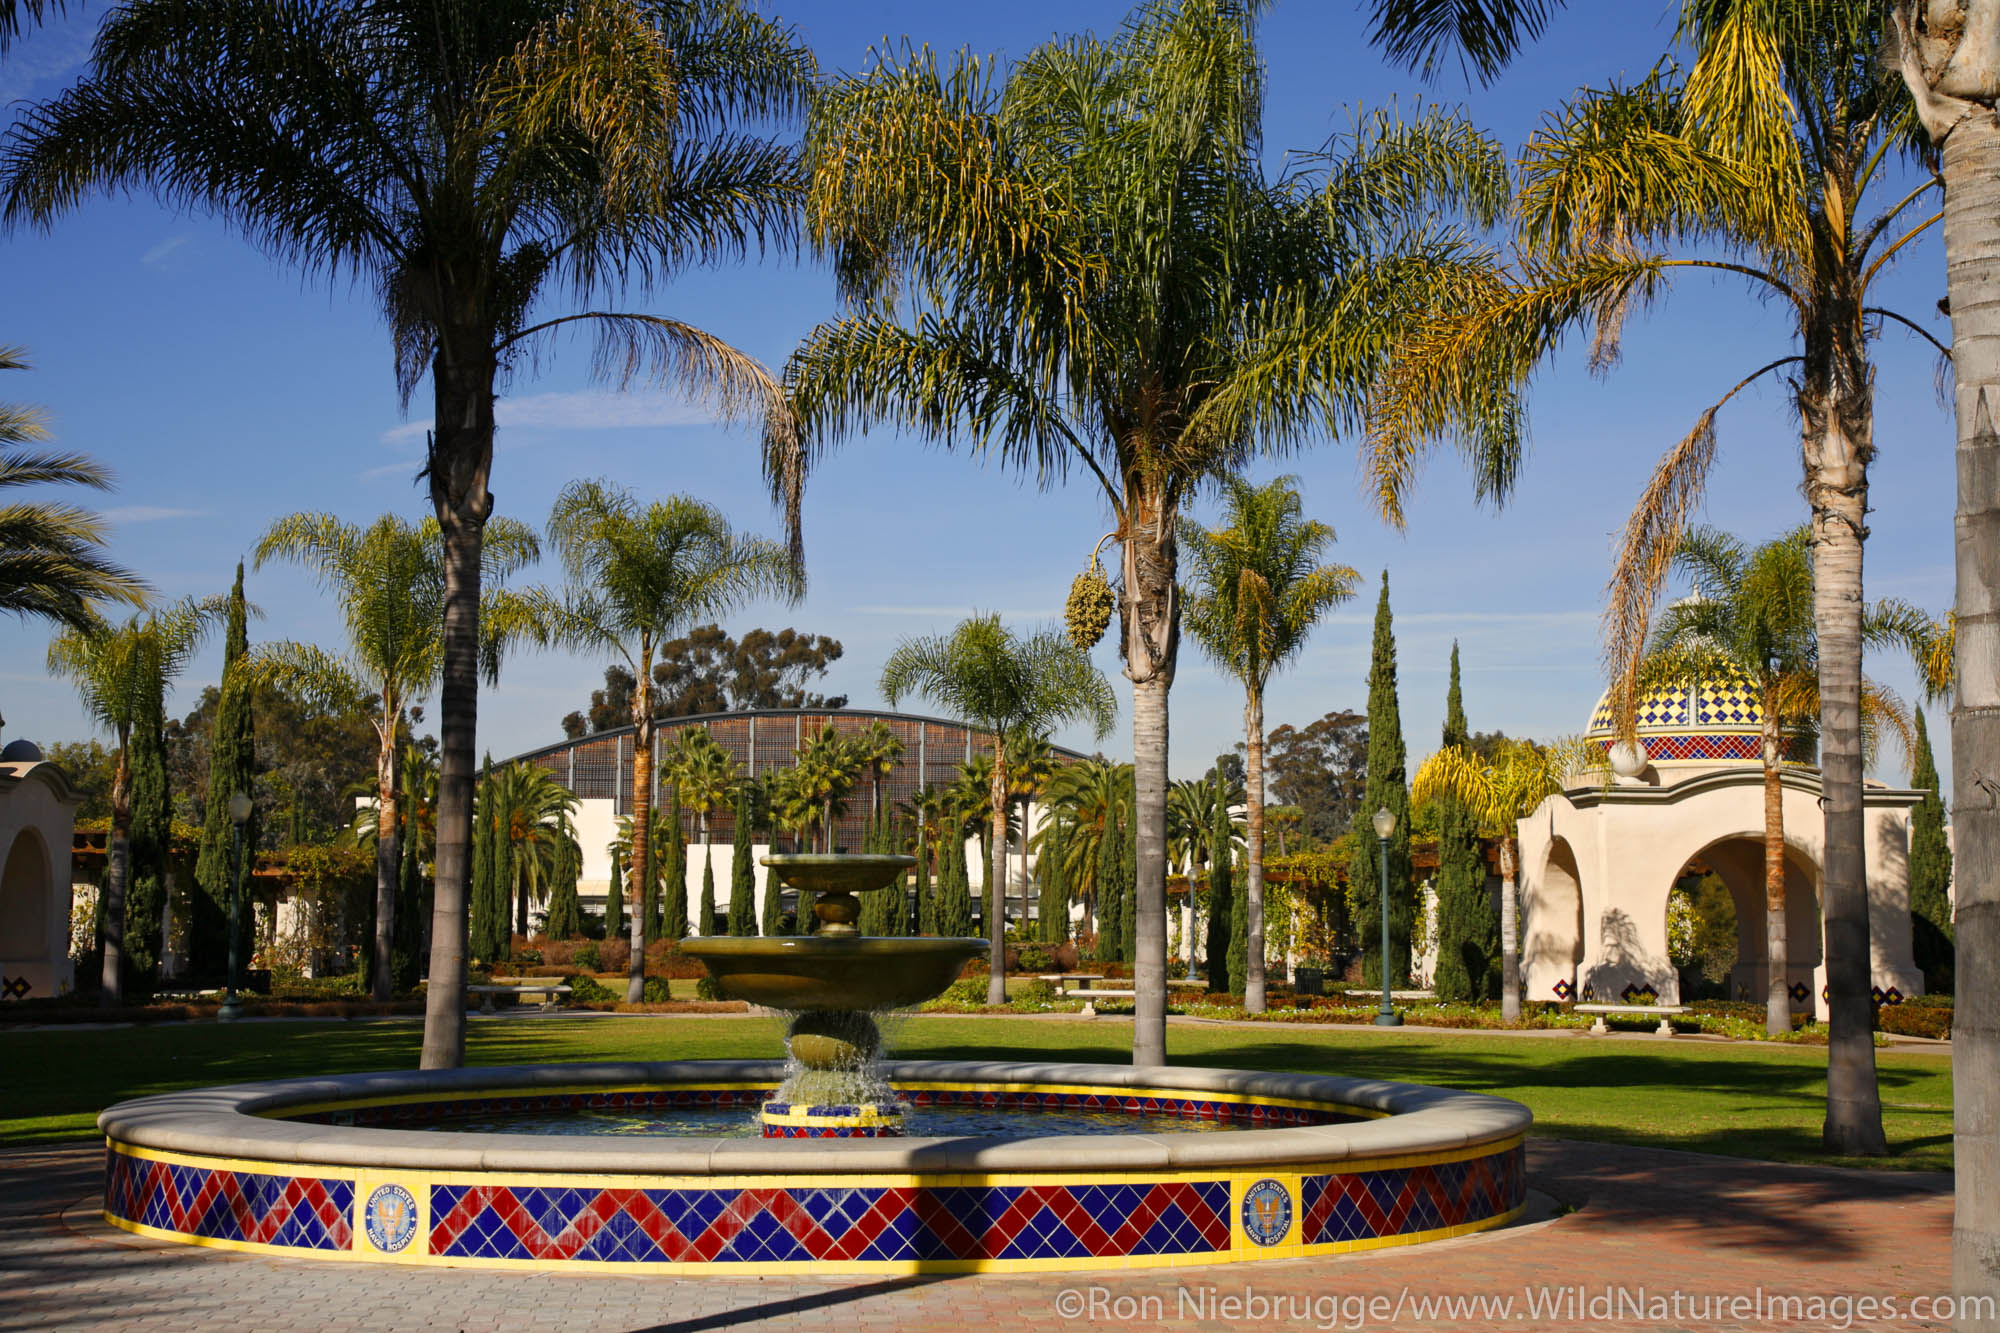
[(586, 989), (1915, 1020), (965, 993), (1034, 958), (614, 955), (708, 989), (658, 990), (585, 956), (1032, 994)]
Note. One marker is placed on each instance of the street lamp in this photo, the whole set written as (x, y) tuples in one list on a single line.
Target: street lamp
[(239, 813), (1385, 824)]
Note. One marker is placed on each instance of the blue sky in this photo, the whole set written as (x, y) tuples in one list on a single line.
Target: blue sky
[(225, 390)]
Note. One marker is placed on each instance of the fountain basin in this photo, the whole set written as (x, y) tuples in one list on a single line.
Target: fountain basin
[(840, 972), (313, 1167)]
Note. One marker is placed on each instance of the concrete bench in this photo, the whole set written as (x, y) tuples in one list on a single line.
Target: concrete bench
[(1665, 1012), (1063, 980), (553, 991)]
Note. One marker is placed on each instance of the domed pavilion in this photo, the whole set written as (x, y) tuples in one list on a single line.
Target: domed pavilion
[(1599, 862)]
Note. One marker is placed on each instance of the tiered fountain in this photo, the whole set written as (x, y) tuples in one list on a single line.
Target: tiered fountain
[(833, 983), (1059, 1166)]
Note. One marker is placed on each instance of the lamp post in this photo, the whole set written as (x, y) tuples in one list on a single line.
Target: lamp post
[(239, 813), (1385, 824)]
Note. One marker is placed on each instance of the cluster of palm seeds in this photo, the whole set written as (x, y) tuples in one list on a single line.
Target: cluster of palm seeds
[(1089, 609)]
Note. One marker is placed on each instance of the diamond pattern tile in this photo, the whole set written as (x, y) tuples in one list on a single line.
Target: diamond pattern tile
[(302, 1212), (1373, 1204)]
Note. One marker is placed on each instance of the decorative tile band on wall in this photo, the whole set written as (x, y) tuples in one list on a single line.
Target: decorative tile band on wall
[(897, 1225), (858, 1225), (280, 1211)]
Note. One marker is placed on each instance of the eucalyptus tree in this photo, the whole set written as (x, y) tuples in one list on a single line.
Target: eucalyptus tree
[(1257, 592), (52, 563), (638, 575), (389, 579), (120, 673), (1785, 182), (473, 164), (1083, 267), (1500, 794), (1010, 685)]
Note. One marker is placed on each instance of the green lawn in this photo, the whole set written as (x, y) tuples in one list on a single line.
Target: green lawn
[(1743, 1099)]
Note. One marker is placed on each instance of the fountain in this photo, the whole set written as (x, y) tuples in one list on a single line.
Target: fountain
[(833, 983), (437, 1166)]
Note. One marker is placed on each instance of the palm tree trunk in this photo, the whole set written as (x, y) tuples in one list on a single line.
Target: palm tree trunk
[(388, 860), (1836, 409), (1778, 992), (1253, 819), (459, 464), (118, 869), (1510, 930), (1150, 620), (996, 879), (642, 821), (1971, 169)]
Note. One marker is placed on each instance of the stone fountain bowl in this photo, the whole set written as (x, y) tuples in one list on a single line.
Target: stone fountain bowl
[(839, 872), (833, 972)]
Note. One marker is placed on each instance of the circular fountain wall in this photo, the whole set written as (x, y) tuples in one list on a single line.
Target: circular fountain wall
[(321, 1167)]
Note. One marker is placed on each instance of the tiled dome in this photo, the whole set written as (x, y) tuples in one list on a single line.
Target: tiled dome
[(1716, 721)]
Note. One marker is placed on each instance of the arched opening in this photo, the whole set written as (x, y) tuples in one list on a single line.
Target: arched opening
[(1725, 881), (1552, 935), (24, 900)]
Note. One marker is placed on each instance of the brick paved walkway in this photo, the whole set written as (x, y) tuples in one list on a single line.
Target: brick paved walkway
[(1645, 1219)]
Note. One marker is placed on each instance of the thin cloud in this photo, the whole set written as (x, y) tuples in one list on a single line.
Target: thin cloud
[(147, 513), (884, 609), (43, 58), (403, 469), (589, 409), (156, 257), (1469, 617)]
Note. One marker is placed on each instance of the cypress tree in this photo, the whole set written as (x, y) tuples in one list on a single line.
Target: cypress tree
[(1930, 873), (1225, 974), (488, 934), (1053, 910), (565, 920), (742, 874), (1388, 788), (1468, 954), (773, 922), (1239, 906), (954, 907), (614, 901), (877, 909), (152, 837), (926, 891), (413, 899), (501, 830), (232, 767), (707, 917), (670, 898), (1110, 894)]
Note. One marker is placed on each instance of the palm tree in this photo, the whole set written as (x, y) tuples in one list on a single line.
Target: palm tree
[(1783, 183), (1499, 795), (470, 162), (926, 810), (1031, 761), (120, 674), (1258, 591), (1086, 797), (1012, 686), (824, 770), (706, 775), (389, 579), (1752, 617), (536, 815), (879, 749), (1945, 54), (52, 563), (638, 576), (1085, 268)]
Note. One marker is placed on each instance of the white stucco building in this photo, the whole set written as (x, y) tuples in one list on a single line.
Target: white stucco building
[(1599, 861), (37, 821)]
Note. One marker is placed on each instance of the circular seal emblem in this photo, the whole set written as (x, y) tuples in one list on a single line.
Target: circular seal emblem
[(1267, 1212), (390, 1218)]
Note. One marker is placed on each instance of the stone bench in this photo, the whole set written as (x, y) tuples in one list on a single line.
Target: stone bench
[(1665, 1012), (553, 991)]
